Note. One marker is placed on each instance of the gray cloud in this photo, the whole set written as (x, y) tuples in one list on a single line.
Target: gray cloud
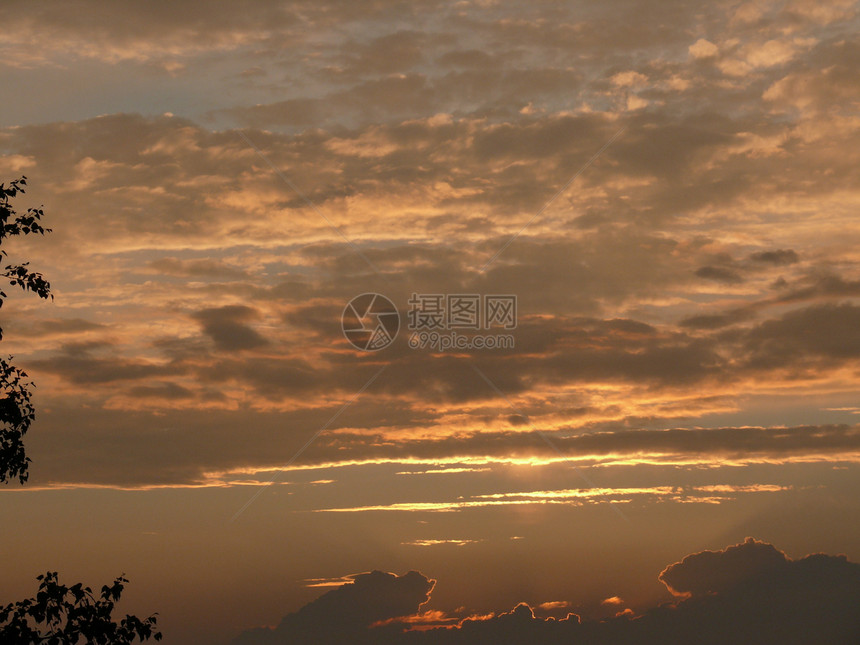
[(719, 274), (85, 363), (197, 268), (778, 257), (167, 390), (207, 441), (340, 613), (708, 572), (828, 333), (710, 444), (224, 325), (749, 592)]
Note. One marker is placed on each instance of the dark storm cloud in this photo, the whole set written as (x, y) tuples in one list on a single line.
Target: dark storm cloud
[(778, 257), (338, 614), (93, 363), (199, 443), (746, 593), (719, 274), (225, 326), (813, 286), (712, 444), (278, 377), (829, 333), (709, 572), (66, 326), (55, 327), (717, 321), (819, 284), (164, 443), (170, 391)]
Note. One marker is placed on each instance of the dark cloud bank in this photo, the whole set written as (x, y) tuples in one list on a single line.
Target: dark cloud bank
[(749, 593)]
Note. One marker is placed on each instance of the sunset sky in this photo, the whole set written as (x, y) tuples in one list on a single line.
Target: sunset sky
[(670, 189)]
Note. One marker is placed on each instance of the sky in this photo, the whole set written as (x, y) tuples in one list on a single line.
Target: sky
[(668, 190)]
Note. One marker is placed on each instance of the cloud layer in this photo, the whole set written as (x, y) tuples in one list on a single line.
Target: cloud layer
[(749, 592)]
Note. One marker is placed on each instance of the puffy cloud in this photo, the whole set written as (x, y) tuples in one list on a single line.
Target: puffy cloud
[(703, 49), (140, 31), (225, 325), (719, 274), (348, 610), (57, 327), (826, 81), (94, 363), (655, 289), (827, 333), (777, 257), (722, 571), (749, 592), (168, 391)]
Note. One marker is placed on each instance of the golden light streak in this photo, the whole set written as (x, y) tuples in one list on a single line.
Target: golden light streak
[(440, 542), (575, 497)]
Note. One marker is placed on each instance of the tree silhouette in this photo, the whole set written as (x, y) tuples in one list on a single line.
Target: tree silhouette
[(58, 615), (16, 411), (61, 615)]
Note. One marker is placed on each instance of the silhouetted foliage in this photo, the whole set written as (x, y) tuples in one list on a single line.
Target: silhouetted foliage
[(61, 615), (16, 412), (58, 615)]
